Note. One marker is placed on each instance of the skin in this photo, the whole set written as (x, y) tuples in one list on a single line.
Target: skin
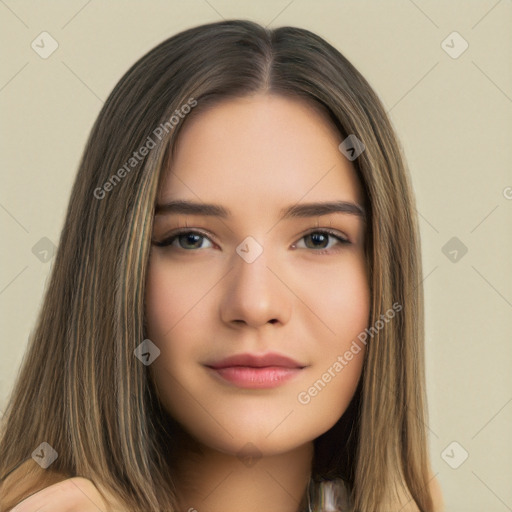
[(71, 495), (255, 156)]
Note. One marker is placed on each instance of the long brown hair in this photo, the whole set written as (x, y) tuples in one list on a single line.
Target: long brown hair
[(80, 388)]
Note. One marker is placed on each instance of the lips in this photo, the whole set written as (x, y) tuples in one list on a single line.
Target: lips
[(252, 371), (256, 361)]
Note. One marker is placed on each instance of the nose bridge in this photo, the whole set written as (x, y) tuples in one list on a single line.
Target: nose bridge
[(254, 294)]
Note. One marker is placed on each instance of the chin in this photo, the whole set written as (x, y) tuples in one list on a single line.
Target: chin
[(261, 438)]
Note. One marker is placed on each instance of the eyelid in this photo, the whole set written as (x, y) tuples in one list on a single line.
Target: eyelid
[(175, 233), (333, 232)]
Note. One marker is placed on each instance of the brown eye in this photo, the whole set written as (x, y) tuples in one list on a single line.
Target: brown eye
[(186, 240), (320, 239)]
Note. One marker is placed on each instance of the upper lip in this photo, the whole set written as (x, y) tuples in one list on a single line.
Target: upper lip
[(256, 361)]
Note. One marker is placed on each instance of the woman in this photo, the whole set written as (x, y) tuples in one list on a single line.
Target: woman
[(235, 318)]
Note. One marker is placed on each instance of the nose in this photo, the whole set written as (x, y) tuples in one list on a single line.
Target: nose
[(255, 293)]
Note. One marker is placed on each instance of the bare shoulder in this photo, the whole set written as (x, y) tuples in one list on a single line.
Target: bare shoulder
[(436, 493), (27, 479), (29, 483), (402, 500)]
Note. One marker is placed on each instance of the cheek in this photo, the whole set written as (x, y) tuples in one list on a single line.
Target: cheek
[(178, 310), (161, 301), (172, 297), (339, 297)]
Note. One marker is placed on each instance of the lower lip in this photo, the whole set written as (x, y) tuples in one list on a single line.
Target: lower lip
[(256, 378)]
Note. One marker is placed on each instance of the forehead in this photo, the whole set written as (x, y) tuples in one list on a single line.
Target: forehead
[(260, 149)]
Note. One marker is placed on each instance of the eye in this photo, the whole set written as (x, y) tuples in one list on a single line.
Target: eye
[(186, 240), (319, 239)]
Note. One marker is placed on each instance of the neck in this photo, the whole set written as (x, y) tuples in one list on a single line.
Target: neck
[(207, 480)]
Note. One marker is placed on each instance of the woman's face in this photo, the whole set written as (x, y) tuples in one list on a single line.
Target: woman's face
[(253, 310)]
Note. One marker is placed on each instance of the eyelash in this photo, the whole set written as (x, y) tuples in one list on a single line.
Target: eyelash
[(170, 239)]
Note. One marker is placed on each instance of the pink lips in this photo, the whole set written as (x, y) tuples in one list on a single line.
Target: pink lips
[(256, 371)]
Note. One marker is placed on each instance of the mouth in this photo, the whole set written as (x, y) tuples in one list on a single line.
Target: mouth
[(252, 371)]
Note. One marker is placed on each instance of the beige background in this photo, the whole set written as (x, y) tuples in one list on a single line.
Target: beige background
[(453, 115)]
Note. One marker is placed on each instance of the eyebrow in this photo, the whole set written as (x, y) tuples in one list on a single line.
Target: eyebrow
[(302, 210)]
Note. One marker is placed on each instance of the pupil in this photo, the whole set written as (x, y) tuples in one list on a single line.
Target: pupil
[(318, 237), (192, 238)]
